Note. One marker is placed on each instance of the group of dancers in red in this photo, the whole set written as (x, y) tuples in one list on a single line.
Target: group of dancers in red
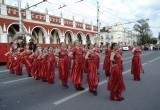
[(72, 63)]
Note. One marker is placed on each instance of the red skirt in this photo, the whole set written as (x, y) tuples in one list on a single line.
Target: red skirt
[(77, 73), (35, 70), (116, 82), (136, 67), (18, 65), (92, 76), (107, 64), (69, 62), (86, 65), (28, 64), (98, 62), (10, 64), (63, 69), (51, 70), (43, 69)]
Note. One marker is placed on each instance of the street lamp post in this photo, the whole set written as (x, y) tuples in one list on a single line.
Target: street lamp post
[(20, 16)]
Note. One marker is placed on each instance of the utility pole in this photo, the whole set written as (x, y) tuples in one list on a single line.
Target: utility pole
[(98, 35), (20, 16)]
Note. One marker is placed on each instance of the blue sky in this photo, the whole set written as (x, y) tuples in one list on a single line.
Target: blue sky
[(111, 11)]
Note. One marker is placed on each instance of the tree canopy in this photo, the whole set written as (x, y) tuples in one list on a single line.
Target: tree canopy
[(143, 31)]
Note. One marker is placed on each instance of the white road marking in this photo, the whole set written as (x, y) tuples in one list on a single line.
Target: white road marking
[(4, 71), (147, 53), (17, 80), (127, 62), (144, 64), (127, 54), (127, 58), (81, 92), (8, 70), (153, 60), (7, 82)]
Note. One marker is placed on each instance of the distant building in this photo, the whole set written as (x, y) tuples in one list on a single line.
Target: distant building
[(118, 34)]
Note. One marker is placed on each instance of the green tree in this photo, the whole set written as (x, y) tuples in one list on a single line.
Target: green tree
[(143, 31), (153, 41)]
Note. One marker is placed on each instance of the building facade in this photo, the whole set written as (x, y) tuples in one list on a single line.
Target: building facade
[(47, 29), (118, 34)]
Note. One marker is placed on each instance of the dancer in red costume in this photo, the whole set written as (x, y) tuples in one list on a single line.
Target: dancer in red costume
[(35, 70), (27, 61), (10, 62), (50, 66), (107, 61), (85, 60), (92, 76), (115, 84), (136, 67), (10, 55), (97, 50), (63, 65), (43, 64), (18, 62), (77, 69)]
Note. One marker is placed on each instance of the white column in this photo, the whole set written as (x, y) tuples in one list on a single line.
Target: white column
[(3, 9), (28, 14), (62, 20), (61, 39), (47, 39), (47, 16), (4, 38), (91, 26), (84, 25), (92, 40), (84, 41), (47, 19), (74, 38), (74, 23)]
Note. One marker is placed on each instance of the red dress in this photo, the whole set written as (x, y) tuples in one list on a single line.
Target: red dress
[(77, 69), (18, 63), (92, 76), (35, 70), (27, 61), (51, 68), (107, 62), (97, 50), (63, 67), (136, 67), (121, 61), (85, 62), (10, 63), (116, 84), (43, 68)]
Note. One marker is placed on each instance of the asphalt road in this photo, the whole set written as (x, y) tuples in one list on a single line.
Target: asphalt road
[(24, 93)]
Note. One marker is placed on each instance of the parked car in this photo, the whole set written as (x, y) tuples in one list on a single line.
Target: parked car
[(125, 48)]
